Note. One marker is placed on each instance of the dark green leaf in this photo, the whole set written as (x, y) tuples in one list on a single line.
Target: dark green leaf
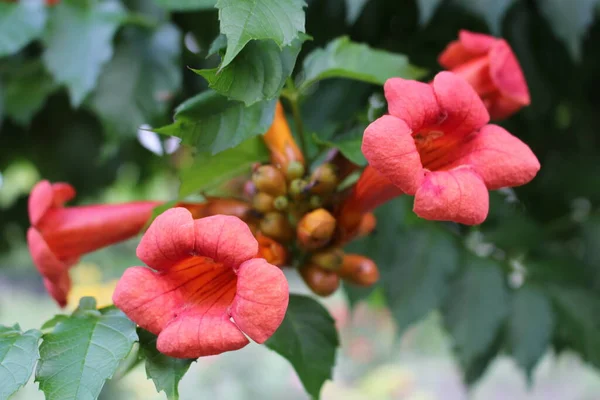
[(307, 338), (531, 322), (18, 355), (349, 144), (569, 20), (475, 308), (137, 85), (20, 23), (343, 58), (187, 5), (427, 10), (492, 11), (211, 123), (245, 20), (26, 91), (165, 371), (208, 171), (83, 351), (79, 43), (257, 73)]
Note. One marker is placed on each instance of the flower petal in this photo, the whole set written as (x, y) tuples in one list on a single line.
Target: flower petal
[(169, 239), (457, 195), (468, 46), (261, 299), (390, 149), (413, 102), (501, 159), (462, 107), (196, 335), (225, 239), (476, 43), (44, 196), (148, 299)]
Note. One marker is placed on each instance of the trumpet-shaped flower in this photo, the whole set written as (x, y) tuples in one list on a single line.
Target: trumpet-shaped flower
[(491, 67), (205, 291), (59, 235), (435, 145)]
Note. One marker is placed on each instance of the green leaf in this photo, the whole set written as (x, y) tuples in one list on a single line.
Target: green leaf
[(343, 58), (137, 85), (209, 171), (257, 73), (493, 11), (570, 20), (79, 43), (427, 10), (349, 144), (245, 20), (530, 326), (475, 308), (308, 339), (83, 351), (18, 355), (20, 23), (211, 123), (187, 5), (165, 371)]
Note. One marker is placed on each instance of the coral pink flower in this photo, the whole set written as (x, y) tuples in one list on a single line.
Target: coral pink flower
[(206, 289), (435, 145), (59, 235), (491, 67)]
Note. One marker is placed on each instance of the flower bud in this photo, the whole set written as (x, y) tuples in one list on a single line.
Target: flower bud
[(359, 270), (295, 170), (214, 206), (270, 180), (271, 250), (320, 281), (367, 224), (280, 141), (324, 180), (281, 203), (330, 260), (298, 188), (249, 189), (276, 226), (315, 201), (263, 202), (315, 229)]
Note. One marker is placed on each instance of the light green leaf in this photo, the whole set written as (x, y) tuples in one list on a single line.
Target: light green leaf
[(531, 323), (257, 73), (475, 308), (343, 58), (18, 355), (79, 43), (245, 20), (427, 10), (187, 5), (570, 21), (209, 171), (349, 144), (26, 91), (20, 23), (165, 371), (137, 85), (493, 11), (83, 351), (220, 43), (212, 123), (308, 339), (354, 9)]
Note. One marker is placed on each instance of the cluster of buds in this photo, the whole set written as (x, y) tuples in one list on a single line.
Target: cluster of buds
[(296, 209)]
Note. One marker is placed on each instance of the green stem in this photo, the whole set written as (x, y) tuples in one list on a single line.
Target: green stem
[(291, 94)]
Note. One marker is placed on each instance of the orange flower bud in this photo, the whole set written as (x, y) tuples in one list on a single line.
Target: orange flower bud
[(330, 260), (359, 270), (263, 202), (270, 180), (271, 250), (367, 224), (234, 207), (320, 281), (276, 226), (316, 229), (324, 180), (280, 141)]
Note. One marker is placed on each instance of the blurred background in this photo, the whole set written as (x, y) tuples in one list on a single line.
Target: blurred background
[(399, 341)]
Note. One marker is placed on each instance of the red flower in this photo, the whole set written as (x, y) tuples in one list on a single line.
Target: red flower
[(204, 275), (435, 145), (59, 235), (491, 67)]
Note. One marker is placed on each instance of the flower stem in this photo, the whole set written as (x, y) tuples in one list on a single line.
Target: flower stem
[(291, 94)]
